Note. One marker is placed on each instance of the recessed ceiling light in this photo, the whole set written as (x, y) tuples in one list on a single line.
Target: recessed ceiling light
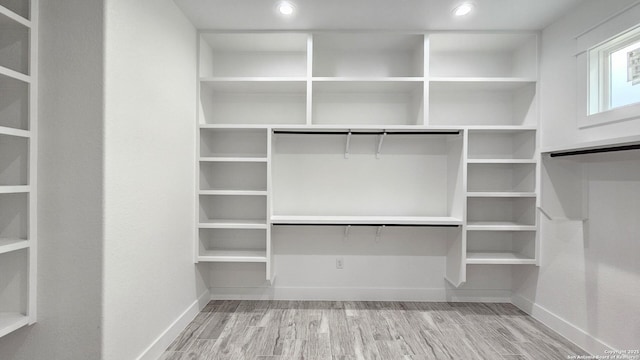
[(286, 8), (463, 9)]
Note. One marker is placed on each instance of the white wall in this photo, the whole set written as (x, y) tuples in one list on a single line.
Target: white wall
[(558, 75), (588, 285), (70, 173), (149, 275)]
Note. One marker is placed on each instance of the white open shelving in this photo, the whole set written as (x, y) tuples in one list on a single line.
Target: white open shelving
[(18, 149), (298, 129)]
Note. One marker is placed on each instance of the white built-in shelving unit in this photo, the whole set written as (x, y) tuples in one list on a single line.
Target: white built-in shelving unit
[(18, 129), (369, 129)]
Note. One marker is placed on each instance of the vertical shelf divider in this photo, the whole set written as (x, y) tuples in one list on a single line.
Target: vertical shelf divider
[(269, 265), (33, 162), (309, 120)]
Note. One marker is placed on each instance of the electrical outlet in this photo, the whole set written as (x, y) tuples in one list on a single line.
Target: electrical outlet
[(339, 263)]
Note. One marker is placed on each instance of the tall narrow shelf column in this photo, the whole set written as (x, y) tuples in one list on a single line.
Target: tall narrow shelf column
[(18, 155), (488, 84)]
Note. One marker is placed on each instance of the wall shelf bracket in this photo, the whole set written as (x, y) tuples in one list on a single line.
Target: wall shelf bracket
[(380, 140), (347, 145), (379, 232), (346, 232)]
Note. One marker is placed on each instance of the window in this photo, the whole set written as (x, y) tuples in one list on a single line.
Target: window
[(614, 73)]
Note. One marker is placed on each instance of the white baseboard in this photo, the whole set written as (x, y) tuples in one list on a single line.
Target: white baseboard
[(579, 337), (359, 294), (155, 350)]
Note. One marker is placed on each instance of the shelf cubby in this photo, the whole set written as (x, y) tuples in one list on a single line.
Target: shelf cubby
[(368, 102), (501, 247), (483, 55), (14, 161), (368, 55), (14, 44), (21, 8), (252, 102), (14, 216), (499, 212), (230, 144), (502, 145), (232, 245), (14, 103), (253, 55), (239, 176), (509, 178), (482, 102), (229, 211), (14, 281), (409, 178)]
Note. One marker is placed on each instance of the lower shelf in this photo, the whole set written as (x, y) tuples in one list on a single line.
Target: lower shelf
[(258, 256), (9, 245), (233, 224), (498, 258), (10, 322), (366, 220), (498, 226)]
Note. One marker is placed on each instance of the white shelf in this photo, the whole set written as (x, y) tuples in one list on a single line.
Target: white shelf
[(364, 220), (498, 258), (501, 161), (14, 189), (501, 194), (255, 84), (14, 132), (502, 128), (368, 79), (10, 15), (234, 192), (9, 245), (590, 145), (234, 126), (14, 74), (10, 322), (257, 256), (482, 83), (249, 79), (233, 224), (232, 159), (498, 226)]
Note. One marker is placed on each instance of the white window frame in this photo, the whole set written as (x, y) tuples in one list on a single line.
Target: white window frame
[(600, 70), (618, 25)]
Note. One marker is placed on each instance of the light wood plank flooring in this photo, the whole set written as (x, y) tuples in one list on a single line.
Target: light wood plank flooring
[(278, 330)]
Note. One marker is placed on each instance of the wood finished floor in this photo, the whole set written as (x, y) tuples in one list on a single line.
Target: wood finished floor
[(278, 330)]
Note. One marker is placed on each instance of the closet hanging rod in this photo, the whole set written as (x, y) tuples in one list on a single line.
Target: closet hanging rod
[(596, 151), (345, 132), (370, 225)]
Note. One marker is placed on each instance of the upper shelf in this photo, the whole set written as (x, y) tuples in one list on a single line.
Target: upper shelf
[(17, 11), (253, 55), (490, 55), (368, 55), (14, 42), (480, 83)]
